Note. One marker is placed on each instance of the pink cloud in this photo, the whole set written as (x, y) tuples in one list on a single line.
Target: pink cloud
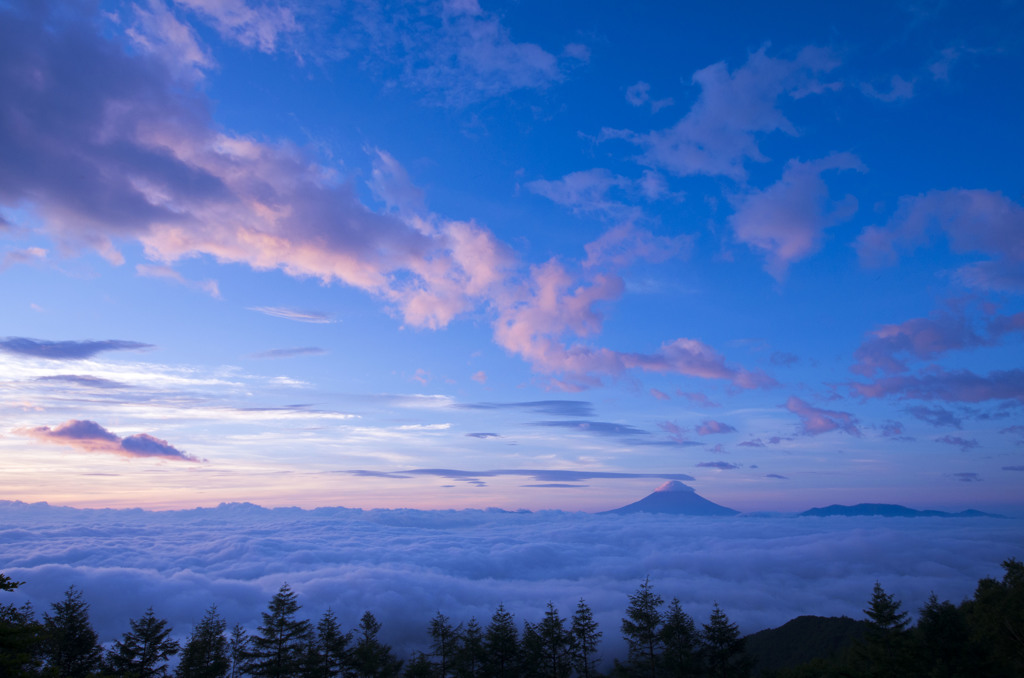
[(480, 377), (699, 398), (676, 432), (719, 133), (922, 338), (626, 244), (660, 395), (259, 27), (787, 221), (815, 420), (951, 386), (91, 437), (710, 427), (972, 221)]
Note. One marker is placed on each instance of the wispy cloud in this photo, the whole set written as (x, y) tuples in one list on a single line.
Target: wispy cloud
[(561, 408), (814, 420), (66, 350), (290, 352), (316, 317)]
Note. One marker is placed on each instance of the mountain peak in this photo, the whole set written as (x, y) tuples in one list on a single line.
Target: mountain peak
[(674, 486)]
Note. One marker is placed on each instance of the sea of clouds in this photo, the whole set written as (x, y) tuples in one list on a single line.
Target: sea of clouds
[(406, 565)]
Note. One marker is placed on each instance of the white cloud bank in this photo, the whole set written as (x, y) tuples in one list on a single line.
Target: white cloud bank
[(406, 565)]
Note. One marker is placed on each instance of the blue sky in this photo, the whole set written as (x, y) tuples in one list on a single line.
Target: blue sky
[(427, 254)]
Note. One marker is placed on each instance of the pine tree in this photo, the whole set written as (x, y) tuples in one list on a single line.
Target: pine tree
[(20, 637), (69, 647), (996, 616), (238, 652), (680, 640), (370, 657), (501, 642), (885, 650), (470, 656), (555, 659), (583, 639), (329, 651), (444, 643), (721, 647), (144, 650), (205, 654), (279, 649), (641, 628)]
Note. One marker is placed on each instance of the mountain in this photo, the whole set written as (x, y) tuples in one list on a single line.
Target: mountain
[(802, 640), (678, 499), (892, 511)]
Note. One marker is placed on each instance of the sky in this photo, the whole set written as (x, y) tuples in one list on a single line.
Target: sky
[(463, 255)]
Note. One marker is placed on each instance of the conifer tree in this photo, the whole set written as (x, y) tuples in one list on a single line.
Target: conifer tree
[(641, 628), (583, 639), (444, 643), (144, 650), (721, 647), (238, 652), (20, 637), (420, 666), (370, 657), (471, 655), (501, 642), (279, 649), (551, 657), (205, 654), (69, 646), (885, 650), (996, 616), (681, 642), (329, 650)]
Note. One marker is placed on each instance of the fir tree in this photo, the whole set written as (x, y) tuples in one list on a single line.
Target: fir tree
[(69, 646), (20, 637), (885, 650), (641, 628), (552, 657), (144, 650), (501, 642), (583, 639), (370, 657), (470, 655), (205, 654), (329, 650), (680, 641), (238, 652), (420, 667), (444, 643), (721, 647), (278, 650)]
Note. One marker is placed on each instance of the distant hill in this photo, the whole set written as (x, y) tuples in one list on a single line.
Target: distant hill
[(801, 640), (678, 499), (893, 511)]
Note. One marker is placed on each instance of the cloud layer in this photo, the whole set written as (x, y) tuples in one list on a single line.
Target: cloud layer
[(89, 436)]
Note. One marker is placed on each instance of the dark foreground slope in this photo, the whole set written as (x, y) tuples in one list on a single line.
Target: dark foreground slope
[(802, 640)]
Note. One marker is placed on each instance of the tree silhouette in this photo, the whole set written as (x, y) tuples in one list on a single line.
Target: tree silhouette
[(278, 650), (721, 647), (501, 642), (680, 640), (641, 629), (70, 648), (885, 650), (471, 655), (144, 650), (205, 653), (444, 643), (370, 657), (238, 652), (584, 637)]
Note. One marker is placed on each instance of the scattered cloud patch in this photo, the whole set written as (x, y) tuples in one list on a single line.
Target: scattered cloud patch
[(83, 380), (604, 428), (1013, 468), (539, 475), (89, 436), (275, 353), (783, 359), (483, 436), (66, 350), (699, 398), (965, 444), (210, 287), (711, 427), (315, 317), (479, 377), (967, 477), (720, 465), (815, 420), (660, 395), (949, 386), (899, 90), (560, 408), (776, 476), (936, 416)]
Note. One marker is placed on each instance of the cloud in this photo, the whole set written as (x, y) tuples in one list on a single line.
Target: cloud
[(91, 437), (480, 377), (964, 444), (258, 26), (83, 380), (699, 398), (926, 338), (720, 132), (720, 465), (710, 426), (561, 408), (815, 420), (786, 222), (584, 191), (625, 244), (936, 416), (640, 93), (967, 477), (899, 90), (22, 256), (972, 221), (167, 273), (660, 395), (290, 352), (66, 350), (603, 428), (539, 475), (776, 476), (755, 442), (783, 359), (483, 435), (1013, 468), (948, 386), (315, 317)]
